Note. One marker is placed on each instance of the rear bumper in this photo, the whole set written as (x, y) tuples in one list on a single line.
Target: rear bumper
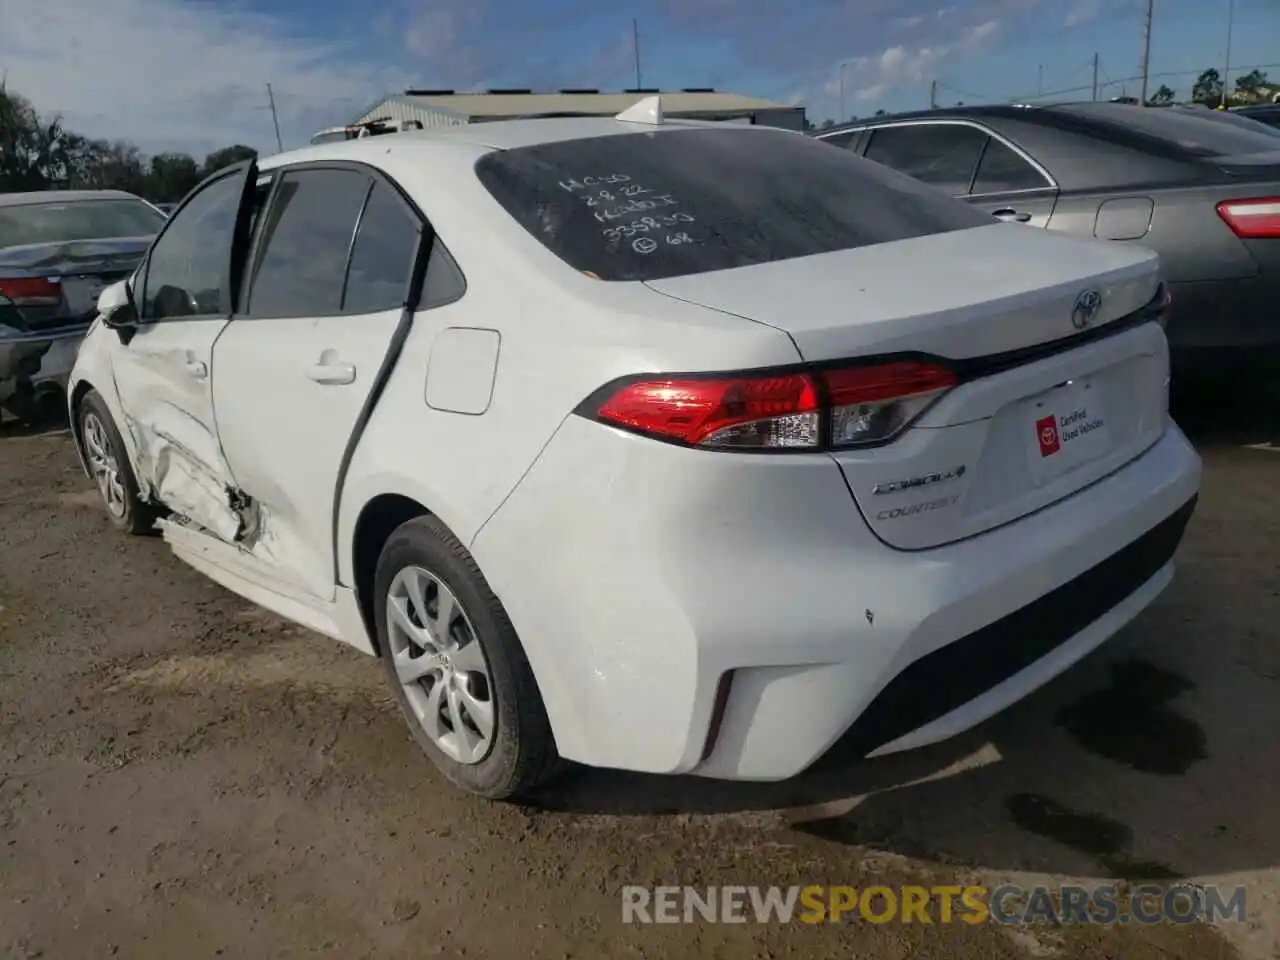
[(38, 359), (640, 575), (1213, 318)]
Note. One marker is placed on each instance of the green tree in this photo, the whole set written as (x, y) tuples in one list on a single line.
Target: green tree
[(1163, 96), (226, 157), (172, 176), (30, 148), (1208, 88), (40, 153), (881, 113), (1247, 86)]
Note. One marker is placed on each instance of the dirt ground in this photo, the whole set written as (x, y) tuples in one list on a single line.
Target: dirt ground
[(184, 775)]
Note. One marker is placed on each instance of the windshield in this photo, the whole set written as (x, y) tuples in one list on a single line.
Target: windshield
[(1191, 132), (651, 205), (60, 222)]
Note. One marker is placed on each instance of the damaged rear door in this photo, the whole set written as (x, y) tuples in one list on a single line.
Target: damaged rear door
[(301, 365), (164, 367)]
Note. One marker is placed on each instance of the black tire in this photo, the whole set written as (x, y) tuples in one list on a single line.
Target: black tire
[(522, 755), (137, 516)]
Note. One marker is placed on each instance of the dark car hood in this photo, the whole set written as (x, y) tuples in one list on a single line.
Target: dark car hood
[(74, 256)]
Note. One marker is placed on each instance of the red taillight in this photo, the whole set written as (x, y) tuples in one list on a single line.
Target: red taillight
[(853, 406), (871, 404), (1257, 218), (766, 411), (32, 291)]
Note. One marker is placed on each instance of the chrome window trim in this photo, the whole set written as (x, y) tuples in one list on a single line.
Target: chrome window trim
[(1050, 183)]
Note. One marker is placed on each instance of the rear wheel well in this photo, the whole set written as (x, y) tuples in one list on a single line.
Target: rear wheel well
[(379, 519)]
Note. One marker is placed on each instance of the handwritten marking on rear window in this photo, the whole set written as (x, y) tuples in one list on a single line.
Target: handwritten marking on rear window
[(615, 200), (574, 185)]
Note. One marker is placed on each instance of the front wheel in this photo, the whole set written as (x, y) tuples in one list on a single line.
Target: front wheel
[(108, 462), (457, 666)]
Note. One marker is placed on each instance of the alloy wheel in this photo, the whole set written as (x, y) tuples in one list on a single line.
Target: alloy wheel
[(104, 465), (440, 664)]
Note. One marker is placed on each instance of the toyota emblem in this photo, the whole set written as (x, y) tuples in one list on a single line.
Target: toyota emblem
[(1088, 303)]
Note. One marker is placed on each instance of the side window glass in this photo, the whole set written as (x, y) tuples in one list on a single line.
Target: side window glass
[(187, 267), (306, 239), (939, 154), (444, 282), (1003, 169), (382, 257)]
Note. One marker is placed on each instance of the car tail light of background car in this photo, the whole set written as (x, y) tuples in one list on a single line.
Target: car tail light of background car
[(1257, 218), (32, 291), (803, 410)]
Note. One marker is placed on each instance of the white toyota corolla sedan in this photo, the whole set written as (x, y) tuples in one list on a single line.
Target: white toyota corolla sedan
[(656, 445)]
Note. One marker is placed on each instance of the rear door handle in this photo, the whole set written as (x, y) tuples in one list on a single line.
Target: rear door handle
[(332, 372), (197, 369), (1008, 213)]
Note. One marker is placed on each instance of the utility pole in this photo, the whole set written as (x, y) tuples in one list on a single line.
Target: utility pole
[(1095, 76), (275, 120), (1226, 69), (1146, 49), (1040, 81), (933, 95), (840, 67), (635, 46)]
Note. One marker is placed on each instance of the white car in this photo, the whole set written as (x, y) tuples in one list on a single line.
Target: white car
[(666, 446)]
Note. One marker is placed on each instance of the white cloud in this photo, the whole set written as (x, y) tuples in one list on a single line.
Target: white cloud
[(1082, 11), (975, 38), (898, 66), (172, 74)]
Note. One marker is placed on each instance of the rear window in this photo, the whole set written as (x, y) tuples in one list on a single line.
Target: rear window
[(77, 220), (651, 205), (1184, 130)]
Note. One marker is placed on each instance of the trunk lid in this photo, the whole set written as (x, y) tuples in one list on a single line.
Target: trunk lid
[(82, 268), (1031, 422), (961, 294)]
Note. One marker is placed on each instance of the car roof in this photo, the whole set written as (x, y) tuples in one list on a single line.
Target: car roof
[(1258, 108), (1101, 109), (941, 113), (495, 135), (62, 196)]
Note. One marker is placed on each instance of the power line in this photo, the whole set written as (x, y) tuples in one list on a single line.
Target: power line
[(1107, 81)]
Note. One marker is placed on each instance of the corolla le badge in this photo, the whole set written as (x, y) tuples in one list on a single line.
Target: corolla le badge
[(1088, 303)]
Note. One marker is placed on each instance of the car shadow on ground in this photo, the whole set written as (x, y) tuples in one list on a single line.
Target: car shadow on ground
[(1151, 759), (49, 423), (1241, 410)]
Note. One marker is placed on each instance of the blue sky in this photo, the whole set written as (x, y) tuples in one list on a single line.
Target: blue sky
[(192, 74)]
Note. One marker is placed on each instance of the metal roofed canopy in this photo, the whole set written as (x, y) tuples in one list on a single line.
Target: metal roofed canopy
[(699, 103)]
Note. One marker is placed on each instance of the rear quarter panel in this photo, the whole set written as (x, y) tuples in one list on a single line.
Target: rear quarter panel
[(562, 336)]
